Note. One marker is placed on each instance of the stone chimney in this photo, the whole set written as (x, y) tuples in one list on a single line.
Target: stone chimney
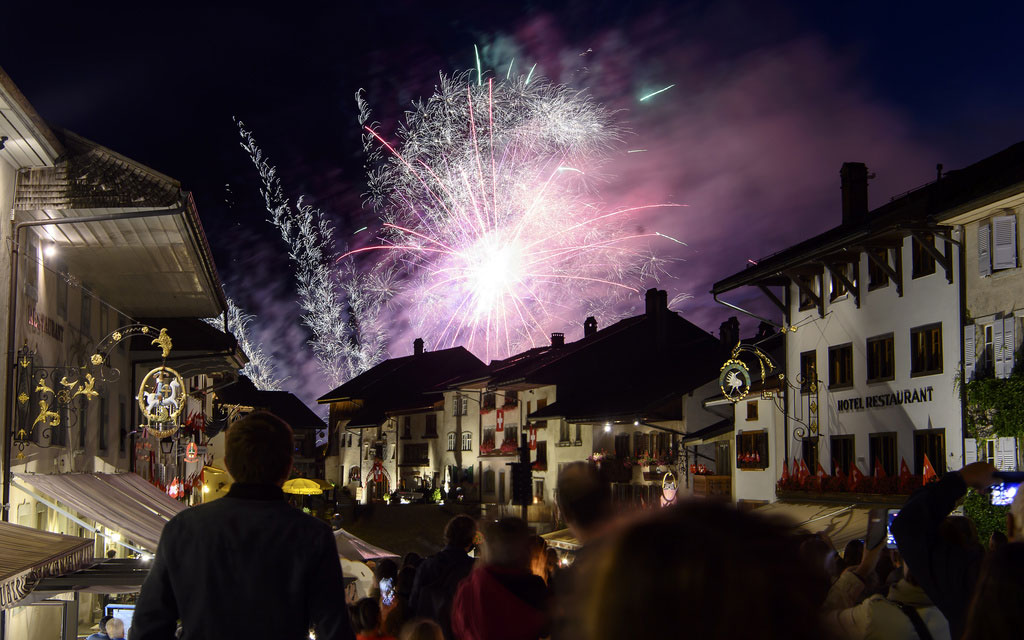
[(589, 326), (729, 332), (853, 178), (417, 347), (558, 339), (657, 302)]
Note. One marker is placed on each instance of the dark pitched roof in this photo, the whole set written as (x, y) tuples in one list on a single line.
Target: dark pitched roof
[(710, 431), (283, 404), (972, 186), (90, 176), (408, 382), (637, 368)]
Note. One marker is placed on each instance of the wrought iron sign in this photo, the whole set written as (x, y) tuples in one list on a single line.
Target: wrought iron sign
[(734, 377)]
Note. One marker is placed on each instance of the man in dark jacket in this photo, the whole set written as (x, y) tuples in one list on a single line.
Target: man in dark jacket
[(247, 565), (945, 569), (439, 576), (502, 600)]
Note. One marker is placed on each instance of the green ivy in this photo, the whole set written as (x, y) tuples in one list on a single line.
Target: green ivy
[(994, 407), (986, 517)]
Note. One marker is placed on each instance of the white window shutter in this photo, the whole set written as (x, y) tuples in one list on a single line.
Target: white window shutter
[(997, 347), (1004, 246), (984, 249), (970, 451), (1009, 345), (969, 352), (1006, 454)]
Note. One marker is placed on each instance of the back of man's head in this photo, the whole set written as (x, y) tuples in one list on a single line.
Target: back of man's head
[(460, 531), (584, 497), (103, 623), (508, 543), (259, 449), (115, 628)]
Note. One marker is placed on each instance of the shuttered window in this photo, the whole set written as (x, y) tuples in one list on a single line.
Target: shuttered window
[(1004, 242), (984, 249), (969, 352)]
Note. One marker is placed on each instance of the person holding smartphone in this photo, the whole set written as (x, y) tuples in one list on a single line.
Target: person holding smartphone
[(946, 569)]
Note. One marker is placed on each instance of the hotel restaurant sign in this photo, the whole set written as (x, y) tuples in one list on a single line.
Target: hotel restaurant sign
[(883, 400)]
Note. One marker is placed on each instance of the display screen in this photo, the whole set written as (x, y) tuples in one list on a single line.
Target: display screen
[(890, 541), (122, 612), (1004, 492)]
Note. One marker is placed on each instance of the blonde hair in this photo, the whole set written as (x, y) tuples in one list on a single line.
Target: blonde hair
[(115, 628)]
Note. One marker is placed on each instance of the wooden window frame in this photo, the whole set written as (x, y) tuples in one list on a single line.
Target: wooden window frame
[(834, 353), (892, 468), (843, 463), (870, 360), (914, 359)]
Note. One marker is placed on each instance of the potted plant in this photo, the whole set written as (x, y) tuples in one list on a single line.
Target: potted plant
[(486, 447), (509, 446)]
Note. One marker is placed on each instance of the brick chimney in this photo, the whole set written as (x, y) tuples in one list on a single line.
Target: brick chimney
[(417, 347), (729, 332), (558, 339), (853, 178), (589, 326)]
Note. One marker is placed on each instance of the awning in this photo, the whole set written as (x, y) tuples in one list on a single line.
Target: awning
[(841, 523), (357, 549), (28, 555), (562, 539), (122, 502)]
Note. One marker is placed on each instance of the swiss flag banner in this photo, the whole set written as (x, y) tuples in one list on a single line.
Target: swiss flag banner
[(804, 471), (839, 471), (929, 470), (855, 475), (796, 469), (821, 471), (904, 470), (500, 420), (879, 471), (785, 470), (533, 438)]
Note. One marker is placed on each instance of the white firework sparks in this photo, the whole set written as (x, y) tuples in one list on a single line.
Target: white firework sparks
[(490, 211)]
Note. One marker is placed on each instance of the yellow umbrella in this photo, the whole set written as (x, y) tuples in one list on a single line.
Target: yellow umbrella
[(302, 487)]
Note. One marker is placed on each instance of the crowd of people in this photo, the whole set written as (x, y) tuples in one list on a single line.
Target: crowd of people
[(700, 568)]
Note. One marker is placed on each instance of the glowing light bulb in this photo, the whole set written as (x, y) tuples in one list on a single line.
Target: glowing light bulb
[(50, 250)]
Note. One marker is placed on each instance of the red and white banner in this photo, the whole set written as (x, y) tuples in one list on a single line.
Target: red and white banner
[(533, 438), (500, 421)]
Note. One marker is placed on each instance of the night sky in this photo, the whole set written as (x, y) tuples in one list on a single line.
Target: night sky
[(769, 100)]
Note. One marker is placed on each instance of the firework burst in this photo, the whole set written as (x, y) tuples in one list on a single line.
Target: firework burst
[(490, 208)]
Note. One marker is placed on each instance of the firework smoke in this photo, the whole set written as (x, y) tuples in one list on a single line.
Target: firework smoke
[(260, 368), (489, 207)]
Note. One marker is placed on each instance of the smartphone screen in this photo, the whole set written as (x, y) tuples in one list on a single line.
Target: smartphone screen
[(387, 592), (890, 541), (1003, 493)]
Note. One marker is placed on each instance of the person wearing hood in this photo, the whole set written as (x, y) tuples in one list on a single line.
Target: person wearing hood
[(503, 600)]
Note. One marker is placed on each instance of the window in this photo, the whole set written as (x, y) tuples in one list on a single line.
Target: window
[(809, 452), (407, 426), (451, 441), (511, 398), (488, 444), (837, 288), (579, 435), (431, 430), (1004, 242), (541, 464), (350, 439), (416, 455), (923, 262), (986, 452), (86, 322), (751, 450), (467, 441), (122, 427), (622, 446), (751, 410), (881, 358), (104, 417), (488, 401), (62, 290), (986, 368), (460, 405), (538, 489), (814, 284), (489, 481), (723, 459), (640, 443), (930, 442), (877, 277), (842, 453), (809, 371), (882, 450), (512, 434), (663, 446), (563, 432), (926, 350), (840, 366)]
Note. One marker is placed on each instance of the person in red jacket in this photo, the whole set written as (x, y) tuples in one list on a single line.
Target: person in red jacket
[(502, 600)]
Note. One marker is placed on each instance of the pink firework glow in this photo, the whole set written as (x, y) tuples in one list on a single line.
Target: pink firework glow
[(492, 217)]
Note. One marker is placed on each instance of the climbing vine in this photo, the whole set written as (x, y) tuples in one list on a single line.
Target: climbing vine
[(994, 407)]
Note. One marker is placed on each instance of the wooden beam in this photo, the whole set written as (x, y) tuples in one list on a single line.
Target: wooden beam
[(818, 300), (774, 298), (944, 259), (890, 270), (850, 286)]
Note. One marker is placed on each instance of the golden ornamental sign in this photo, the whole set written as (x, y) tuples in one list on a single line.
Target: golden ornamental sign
[(734, 377), (161, 400)]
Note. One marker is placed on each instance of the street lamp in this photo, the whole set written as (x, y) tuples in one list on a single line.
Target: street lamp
[(167, 446)]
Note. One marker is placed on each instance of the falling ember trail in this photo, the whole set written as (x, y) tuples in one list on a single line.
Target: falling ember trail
[(500, 238)]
